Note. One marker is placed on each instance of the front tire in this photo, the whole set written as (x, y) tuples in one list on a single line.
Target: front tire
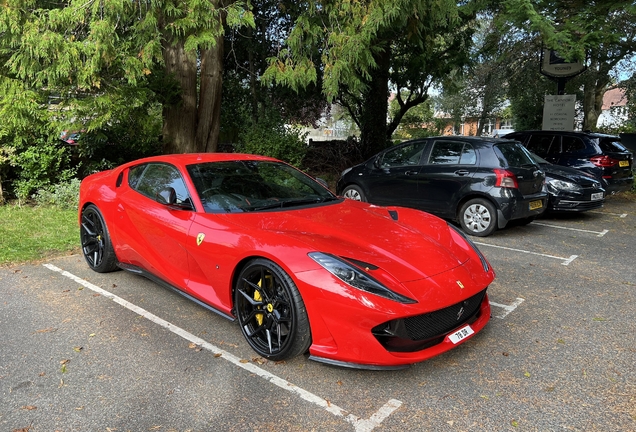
[(96, 245), (271, 312), (354, 192), (478, 217)]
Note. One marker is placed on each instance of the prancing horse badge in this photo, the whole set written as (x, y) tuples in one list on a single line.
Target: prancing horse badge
[(200, 238)]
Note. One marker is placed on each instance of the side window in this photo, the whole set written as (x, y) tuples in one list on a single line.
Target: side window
[(409, 154), (452, 153), (540, 144), (572, 144), (150, 179)]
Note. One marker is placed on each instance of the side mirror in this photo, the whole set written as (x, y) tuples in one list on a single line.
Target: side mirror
[(167, 196), (323, 182)]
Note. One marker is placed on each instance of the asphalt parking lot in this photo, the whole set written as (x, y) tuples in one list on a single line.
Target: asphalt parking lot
[(81, 351)]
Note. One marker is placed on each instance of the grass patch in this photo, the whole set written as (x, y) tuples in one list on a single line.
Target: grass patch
[(30, 233)]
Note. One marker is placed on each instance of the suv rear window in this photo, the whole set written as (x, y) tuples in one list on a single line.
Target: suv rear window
[(514, 155), (611, 145)]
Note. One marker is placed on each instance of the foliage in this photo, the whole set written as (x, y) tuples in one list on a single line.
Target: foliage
[(270, 136), (602, 33), (30, 233), (63, 195), (362, 46)]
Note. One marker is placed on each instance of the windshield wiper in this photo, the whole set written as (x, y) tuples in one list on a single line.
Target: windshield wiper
[(294, 202)]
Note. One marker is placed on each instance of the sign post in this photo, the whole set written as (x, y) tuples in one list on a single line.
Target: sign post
[(558, 111)]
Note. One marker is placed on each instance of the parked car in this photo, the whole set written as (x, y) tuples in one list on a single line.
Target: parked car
[(483, 183), (257, 241), (569, 189), (601, 155)]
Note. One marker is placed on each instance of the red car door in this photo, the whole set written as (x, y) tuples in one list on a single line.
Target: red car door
[(151, 234)]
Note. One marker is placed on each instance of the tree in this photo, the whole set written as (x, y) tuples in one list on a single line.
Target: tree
[(100, 57), (601, 32), (365, 48)]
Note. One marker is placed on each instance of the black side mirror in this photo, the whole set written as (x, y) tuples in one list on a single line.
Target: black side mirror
[(167, 196)]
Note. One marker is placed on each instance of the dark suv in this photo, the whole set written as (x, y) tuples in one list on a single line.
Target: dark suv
[(601, 155), (480, 182)]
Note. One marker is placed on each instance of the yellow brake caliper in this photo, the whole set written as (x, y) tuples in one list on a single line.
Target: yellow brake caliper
[(258, 297)]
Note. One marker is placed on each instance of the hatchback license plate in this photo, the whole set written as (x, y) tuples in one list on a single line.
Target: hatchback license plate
[(597, 196), (536, 204), (623, 163), (461, 334)]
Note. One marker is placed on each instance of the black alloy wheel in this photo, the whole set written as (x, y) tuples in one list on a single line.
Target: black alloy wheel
[(96, 246), (271, 312)]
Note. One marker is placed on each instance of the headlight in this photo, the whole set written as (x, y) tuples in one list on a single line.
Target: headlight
[(354, 277), (482, 258), (556, 185)]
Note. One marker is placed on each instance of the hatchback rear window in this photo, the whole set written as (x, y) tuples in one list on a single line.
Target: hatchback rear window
[(514, 155), (611, 145)]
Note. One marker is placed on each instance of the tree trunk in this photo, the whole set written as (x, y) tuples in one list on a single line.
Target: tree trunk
[(373, 118), (209, 114), (180, 121)]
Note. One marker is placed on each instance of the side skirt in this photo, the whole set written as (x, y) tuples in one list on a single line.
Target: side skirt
[(141, 272)]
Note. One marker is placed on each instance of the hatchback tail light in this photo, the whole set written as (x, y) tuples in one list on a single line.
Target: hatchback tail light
[(506, 179), (603, 161)]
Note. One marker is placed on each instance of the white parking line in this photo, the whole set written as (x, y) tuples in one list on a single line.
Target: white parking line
[(566, 261), (507, 309), (598, 233), (620, 215), (360, 425)]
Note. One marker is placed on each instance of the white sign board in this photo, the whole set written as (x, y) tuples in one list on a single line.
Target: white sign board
[(558, 112)]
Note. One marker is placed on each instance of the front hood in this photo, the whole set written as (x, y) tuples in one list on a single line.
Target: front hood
[(408, 244)]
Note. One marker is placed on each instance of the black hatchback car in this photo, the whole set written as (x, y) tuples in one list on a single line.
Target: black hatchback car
[(601, 155), (480, 182)]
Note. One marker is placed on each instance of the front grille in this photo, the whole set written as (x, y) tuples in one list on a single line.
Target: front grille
[(442, 321), (422, 331)]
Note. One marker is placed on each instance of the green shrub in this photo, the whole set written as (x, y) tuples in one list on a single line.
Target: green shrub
[(278, 141), (64, 195)]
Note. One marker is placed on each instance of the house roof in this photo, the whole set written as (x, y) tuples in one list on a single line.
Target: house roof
[(614, 97)]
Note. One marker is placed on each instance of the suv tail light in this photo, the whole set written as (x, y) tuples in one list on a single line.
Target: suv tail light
[(603, 161), (506, 179)]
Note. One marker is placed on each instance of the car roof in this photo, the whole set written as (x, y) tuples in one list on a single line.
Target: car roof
[(571, 133), (195, 158)]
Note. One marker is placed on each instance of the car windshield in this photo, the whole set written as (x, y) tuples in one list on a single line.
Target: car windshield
[(248, 185)]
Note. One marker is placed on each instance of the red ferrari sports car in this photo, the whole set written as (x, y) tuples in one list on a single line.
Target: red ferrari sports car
[(300, 269)]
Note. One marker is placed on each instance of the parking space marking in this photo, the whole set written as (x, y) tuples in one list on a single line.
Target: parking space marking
[(360, 425), (620, 215), (598, 233), (566, 261), (507, 309)]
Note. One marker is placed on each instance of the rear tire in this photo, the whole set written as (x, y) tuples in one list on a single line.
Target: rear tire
[(96, 245), (478, 217)]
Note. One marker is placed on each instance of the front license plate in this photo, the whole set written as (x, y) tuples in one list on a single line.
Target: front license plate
[(597, 196), (623, 163), (536, 204), (461, 334)]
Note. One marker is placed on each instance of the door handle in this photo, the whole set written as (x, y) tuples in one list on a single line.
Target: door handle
[(409, 173), (462, 172)]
